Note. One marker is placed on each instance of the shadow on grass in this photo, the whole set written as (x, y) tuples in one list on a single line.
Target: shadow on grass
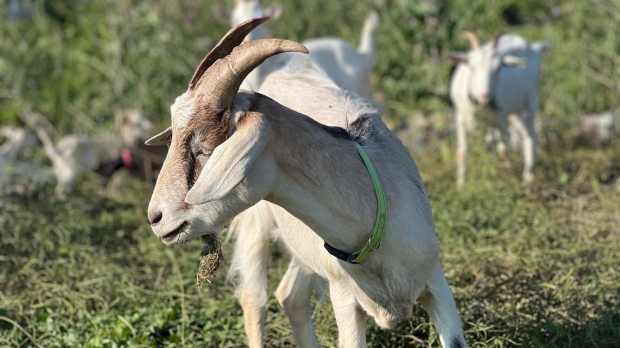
[(601, 331)]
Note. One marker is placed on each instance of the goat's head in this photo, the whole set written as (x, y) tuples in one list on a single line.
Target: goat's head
[(211, 147), (484, 64), (245, 10)]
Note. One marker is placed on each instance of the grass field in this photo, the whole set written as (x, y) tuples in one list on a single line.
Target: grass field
[(533, 266), (530, 266)]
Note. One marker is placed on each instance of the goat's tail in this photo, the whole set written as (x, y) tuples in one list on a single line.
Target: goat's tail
[(367, 42), (540, 46), (36, 121)]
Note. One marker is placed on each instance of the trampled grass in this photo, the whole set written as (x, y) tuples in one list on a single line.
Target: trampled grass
[(530, 266)]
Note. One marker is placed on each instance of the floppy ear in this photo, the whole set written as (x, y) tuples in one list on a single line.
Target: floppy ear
[(274, 11), (230, 162), (514, 61), (458, 57), (162, 138)]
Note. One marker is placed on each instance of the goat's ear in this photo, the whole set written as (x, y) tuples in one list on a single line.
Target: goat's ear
[(230, 162), (514, 61), (458, 57), (162, 138), (274, 11), (221, 13)]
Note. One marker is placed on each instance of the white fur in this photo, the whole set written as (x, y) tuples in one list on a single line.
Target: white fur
[(507, 77), (348, 67)]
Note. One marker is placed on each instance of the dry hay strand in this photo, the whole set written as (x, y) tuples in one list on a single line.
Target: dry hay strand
[(210, 259)]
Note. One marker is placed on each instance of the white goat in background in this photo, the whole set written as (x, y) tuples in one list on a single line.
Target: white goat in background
[(503, 73), (348, 67), (230, 150), (76, 153)]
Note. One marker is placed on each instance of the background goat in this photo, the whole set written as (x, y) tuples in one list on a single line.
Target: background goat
[(103, 154), (229, 150), (348, 67), (503, 73)]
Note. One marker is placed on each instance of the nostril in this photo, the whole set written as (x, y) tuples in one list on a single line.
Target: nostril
[(155, 217)]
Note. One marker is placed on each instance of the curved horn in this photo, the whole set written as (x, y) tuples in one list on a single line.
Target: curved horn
[(232, 39), (496, 38), (222, 80), (473, 39)]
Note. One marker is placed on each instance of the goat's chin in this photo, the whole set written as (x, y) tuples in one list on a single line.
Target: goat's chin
[(194, 230)]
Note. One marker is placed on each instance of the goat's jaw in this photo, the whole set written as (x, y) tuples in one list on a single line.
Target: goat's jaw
[(185, 226)]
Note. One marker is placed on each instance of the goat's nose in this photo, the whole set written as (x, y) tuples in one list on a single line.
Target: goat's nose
[(155, 216)]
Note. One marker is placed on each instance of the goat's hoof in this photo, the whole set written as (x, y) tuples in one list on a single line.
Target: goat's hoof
[(528, 178)]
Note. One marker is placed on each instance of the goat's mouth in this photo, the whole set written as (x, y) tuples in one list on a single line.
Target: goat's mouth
[(174, 236)]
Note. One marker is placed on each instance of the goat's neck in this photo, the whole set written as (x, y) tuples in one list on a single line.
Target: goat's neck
[(322, 180)]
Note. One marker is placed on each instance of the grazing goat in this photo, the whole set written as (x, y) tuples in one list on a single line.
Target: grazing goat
[(504, 73), (229, 150), (102, 154), (349, 68)]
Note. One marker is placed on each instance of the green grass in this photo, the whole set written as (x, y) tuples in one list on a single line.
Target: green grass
[(530, 266)]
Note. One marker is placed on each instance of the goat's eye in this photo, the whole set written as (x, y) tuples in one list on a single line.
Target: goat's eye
[(204, 152)]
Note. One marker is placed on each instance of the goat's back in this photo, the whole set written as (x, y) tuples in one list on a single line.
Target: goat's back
[(348, 68), (410, 218)]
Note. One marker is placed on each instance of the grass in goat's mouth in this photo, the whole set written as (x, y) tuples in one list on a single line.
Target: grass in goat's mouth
[(210, 259)]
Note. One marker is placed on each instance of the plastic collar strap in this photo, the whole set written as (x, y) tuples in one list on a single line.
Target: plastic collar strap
[(374, 240)]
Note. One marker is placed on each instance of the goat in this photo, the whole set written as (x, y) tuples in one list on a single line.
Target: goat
[(103, 154), (348, 67), (229, 150), (504, 73)]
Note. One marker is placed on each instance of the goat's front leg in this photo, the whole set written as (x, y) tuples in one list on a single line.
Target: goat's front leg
[(294, 293), (438, 302), (349, 316), (529, 148), (502, 122), (249, 263), (530, 141), (461, 152)]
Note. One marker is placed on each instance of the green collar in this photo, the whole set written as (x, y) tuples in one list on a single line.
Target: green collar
[(374, 240)]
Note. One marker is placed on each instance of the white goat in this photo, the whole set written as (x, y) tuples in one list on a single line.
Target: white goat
[(503, 73), (230, 150), (349, 68), (74, 154)]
